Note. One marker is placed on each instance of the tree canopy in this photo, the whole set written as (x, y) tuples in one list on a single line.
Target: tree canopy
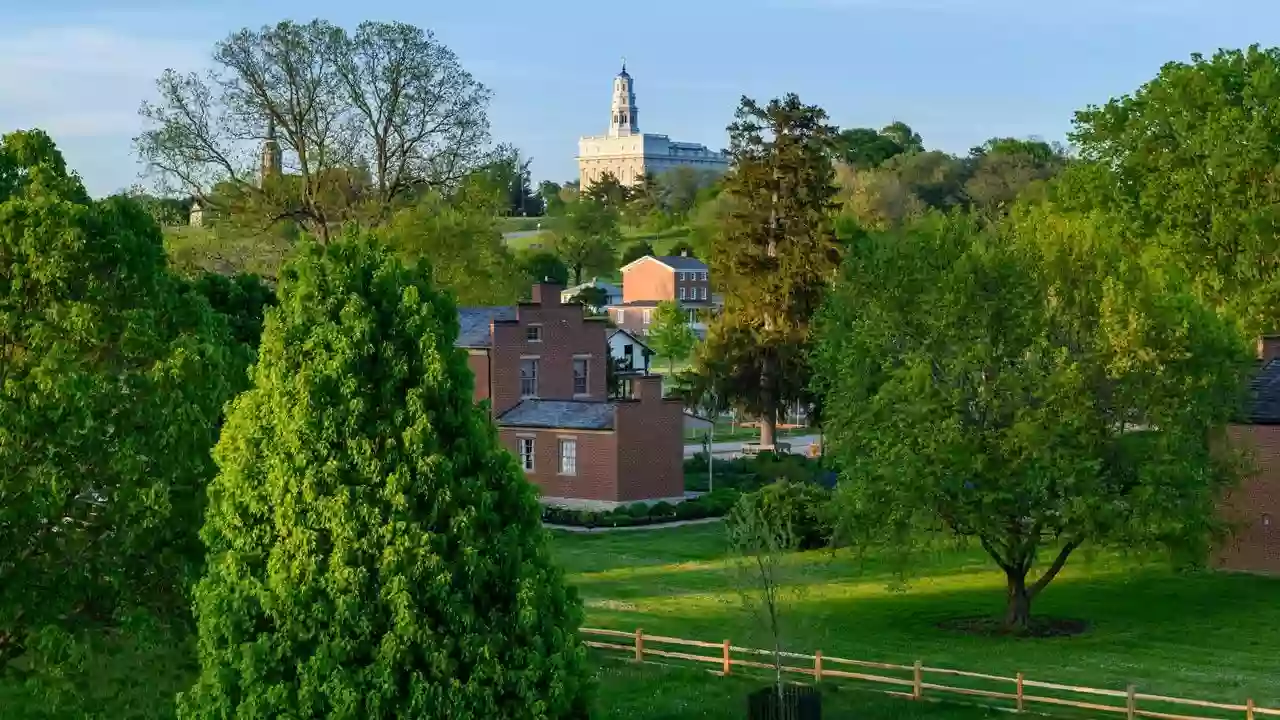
[(1034, 387), (670, 335), (1191, 160), (373, 550), (363, 120), (113, 374)]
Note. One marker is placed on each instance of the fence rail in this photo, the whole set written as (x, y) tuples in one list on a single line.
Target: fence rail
[(818, 667)]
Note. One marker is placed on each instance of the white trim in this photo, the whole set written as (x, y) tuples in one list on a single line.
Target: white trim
[(654, 258)]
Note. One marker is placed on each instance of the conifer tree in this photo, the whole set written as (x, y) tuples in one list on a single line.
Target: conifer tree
[(774, 257), (373, 551)]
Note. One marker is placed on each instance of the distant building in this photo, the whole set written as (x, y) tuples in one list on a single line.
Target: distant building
[(652, 280), (196, 218), (629, 154), (612, 293)]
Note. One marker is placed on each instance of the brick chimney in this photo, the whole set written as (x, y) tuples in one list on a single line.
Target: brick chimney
[(684, 253), (1269, 347), (547, 293), (646, 387)]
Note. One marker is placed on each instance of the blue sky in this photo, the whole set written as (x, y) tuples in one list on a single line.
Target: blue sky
[(958, 71)]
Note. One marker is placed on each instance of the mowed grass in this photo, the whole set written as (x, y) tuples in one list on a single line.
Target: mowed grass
[(1211, 636)]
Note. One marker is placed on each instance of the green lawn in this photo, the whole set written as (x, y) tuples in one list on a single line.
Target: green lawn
[(1203, 635)]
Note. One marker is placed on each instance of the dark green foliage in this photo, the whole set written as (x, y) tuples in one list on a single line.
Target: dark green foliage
[(544, 265), (373, 551), (243, 299), (709, 505), (805, 506), (682, 247), (773, 258), (635, 251), (112, 380)]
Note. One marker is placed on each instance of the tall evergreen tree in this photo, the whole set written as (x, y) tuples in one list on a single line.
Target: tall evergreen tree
[(373, 552), (773, 258)]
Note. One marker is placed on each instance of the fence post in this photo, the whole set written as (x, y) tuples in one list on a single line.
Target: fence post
[(1132, 705), (728, 663), (817, 666), (917, 691), (1020, 708), (1248, 709), (639, 645)]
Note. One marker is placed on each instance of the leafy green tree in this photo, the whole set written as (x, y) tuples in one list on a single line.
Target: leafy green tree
[(864, 148), (903, 136), (361, 122), (543, 265), (552, 202), (635, 251), (588, 243), (1192, 160), (373, 550), (1002, 170), (242, 299), (670, 335), (461, 238), (773, 259), (592, 297), (608, 191), (113, 375), (683, 247), (1035, 389)]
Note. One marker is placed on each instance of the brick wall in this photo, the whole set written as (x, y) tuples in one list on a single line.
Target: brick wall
[(478, 363), (597, 467), (565, 334), (648, 280), (1255, 505), (650, 433)]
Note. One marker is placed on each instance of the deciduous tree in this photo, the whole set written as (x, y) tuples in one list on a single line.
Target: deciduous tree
[(373, 550), (670, 335), (1192, 159), (588, 242), (1036, 389), (774, 257), (363, 121), (113, 375)]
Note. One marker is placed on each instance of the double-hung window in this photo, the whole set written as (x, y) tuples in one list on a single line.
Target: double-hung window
[(528, 377), (568, 456), (580, 369), (526, 454)]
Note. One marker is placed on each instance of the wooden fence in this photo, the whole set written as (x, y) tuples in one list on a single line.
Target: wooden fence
[(914, 681)]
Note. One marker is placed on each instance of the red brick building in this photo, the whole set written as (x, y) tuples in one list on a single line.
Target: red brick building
[(1255, 506), (542, 366), (654, 279)]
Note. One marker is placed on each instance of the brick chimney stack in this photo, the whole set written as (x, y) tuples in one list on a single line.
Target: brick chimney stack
[(547, 293), (646, 387)]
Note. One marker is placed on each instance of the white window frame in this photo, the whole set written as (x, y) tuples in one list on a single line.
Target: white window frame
[(622, 316), (526, 447), (703, 275), (567, 462), (586, 375), (647, 315), (533, 377), (682, 297), (532, 330), (704, 293), (680, 276)]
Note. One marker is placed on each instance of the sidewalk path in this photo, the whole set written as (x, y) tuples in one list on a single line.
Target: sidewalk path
[(658, 526), (727, 450)]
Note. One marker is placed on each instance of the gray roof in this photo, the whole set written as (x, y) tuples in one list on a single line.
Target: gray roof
[(473, 324), (565, 414), (680, 262), (1264, 394)]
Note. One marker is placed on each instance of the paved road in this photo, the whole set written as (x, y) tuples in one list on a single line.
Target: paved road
[(521, 234), (799, 445)]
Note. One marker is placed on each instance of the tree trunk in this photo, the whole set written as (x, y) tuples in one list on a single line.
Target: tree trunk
[(768, 428), (1017, 613)]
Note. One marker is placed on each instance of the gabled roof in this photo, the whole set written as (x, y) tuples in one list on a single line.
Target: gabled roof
[(634, 339), (560, 414), (474, 322), (671, 262), (1264, 394), (607, 287)]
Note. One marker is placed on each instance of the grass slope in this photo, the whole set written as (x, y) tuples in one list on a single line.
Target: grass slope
[(1203, 635)]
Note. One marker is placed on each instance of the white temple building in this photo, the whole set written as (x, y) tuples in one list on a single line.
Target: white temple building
[(629, 154)]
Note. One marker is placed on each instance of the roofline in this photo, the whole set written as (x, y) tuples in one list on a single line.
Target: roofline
[(633, 337), (637, 261), (506, 426)]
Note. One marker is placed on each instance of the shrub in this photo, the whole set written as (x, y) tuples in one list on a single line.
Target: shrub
[(638, 510), (370, 542), (805, 505), (635, 251), (662, 509)]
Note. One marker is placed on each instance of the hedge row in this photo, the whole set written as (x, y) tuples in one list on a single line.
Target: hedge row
[(715, 504)]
